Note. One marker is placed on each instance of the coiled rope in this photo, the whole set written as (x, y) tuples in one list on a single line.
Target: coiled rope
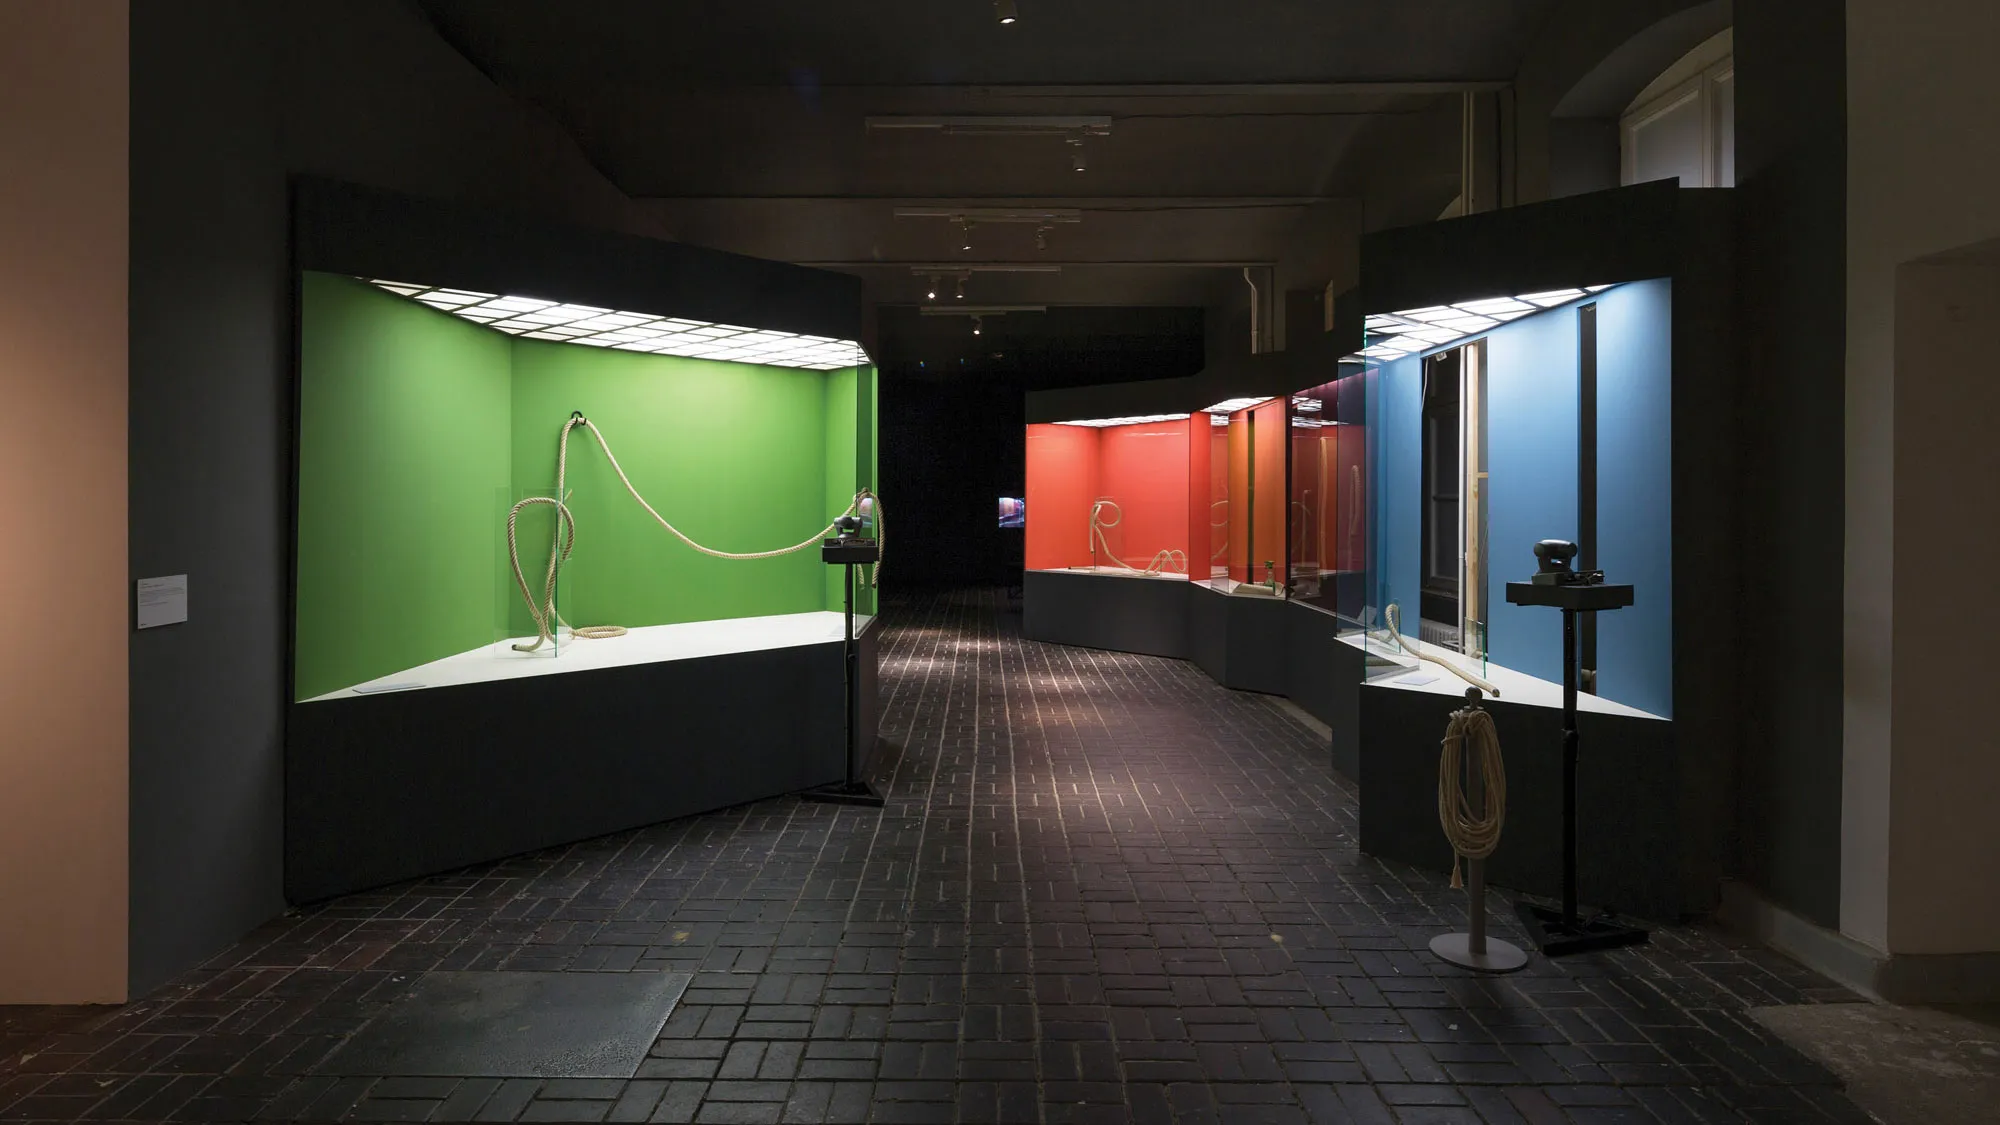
[(1164, 562), (1394, 615), (1473, 835), (547, 620)]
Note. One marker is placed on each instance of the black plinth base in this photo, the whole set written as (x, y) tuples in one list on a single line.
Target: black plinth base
[(1555, 938), (845, 793)]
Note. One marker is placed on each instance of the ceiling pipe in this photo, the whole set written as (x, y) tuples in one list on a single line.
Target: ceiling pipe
[(1256, 313)]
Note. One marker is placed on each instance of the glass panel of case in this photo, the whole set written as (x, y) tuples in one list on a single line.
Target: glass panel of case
[(1329, 527), (1109, 496), (430, 416), (1493, 423)]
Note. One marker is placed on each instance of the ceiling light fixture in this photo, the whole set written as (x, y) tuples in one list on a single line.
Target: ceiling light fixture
[(1232, 405), (965, 235), (961, 287), (976, 323), (1076, 151), (1003, 10), (1134, 420), (1042, 236), (1391, 335), (930, 294), (537, 319), (998, 125)]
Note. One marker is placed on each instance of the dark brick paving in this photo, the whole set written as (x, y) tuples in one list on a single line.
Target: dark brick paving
[(1104, 890)]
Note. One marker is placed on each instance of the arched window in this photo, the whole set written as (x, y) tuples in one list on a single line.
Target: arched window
[(1683, 125)]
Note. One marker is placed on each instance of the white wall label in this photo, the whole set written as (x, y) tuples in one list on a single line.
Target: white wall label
[(163, 601)]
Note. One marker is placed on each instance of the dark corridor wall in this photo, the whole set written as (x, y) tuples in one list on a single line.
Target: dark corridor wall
[(949, 451)]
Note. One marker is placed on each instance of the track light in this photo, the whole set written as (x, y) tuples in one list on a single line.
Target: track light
[(965, 235), (930, 292), (1076, 151), (977, 323), (1041, 238), (1003, 10), (961, 288)]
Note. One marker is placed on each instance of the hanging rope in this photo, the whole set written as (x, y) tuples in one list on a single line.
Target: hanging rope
[(563, 542), (1473, 835), (1164, 562), (1394, 615)]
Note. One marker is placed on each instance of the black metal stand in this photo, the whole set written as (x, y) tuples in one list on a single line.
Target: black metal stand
[(1566, 931), (849, 553)]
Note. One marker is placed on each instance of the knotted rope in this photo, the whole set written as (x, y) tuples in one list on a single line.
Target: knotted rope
[(547, 621), (1165, 561), (1473, 835), (1394, 614)]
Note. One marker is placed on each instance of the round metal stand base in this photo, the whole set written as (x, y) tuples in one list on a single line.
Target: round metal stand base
[(1499, 957)]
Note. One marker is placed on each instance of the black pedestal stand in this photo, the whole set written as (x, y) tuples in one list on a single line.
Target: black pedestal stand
[(848, 552), (1559, 932)]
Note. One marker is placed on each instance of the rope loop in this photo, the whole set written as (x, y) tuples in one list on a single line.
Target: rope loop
[(547, 621), (1165, 561), (1472, 834)]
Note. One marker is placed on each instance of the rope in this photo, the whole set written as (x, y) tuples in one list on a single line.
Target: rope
[(1472, 835), (547, 621), (1394, 615), (1164, 561)]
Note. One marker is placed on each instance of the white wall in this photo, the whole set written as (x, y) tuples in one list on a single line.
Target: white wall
[(1945, 763), (63, 738), (1923, 156)]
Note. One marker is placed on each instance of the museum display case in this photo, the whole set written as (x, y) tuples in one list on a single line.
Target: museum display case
[(1329, 526), (1237, 477), (1492, 423), (1109, 496), (494, 486)]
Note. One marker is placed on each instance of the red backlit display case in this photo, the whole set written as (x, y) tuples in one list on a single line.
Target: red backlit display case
[(1110, 496), (1329, 508), (1238, 476)]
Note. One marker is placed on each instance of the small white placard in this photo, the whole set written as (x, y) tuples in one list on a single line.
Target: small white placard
[(163, 601)]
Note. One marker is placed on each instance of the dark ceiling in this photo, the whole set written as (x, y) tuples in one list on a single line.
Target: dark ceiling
[(1260, 132)]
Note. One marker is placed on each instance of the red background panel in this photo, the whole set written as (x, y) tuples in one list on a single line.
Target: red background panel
[(1061, 483), (1270, 423), (1144, 469)]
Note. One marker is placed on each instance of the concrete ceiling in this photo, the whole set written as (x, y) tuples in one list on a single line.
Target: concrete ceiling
[(1256, 132)]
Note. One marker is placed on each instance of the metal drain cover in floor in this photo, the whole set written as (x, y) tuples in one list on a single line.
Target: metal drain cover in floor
[(514, 1025)]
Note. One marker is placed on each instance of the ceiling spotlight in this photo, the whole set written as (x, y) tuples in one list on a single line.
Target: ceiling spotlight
[(1041, 238), (1004, 11), (976, 324), (965, 234), (961, 287), (930, 292)]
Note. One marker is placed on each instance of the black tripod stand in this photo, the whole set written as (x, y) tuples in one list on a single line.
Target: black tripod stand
[(849, 551), (1557, 933)]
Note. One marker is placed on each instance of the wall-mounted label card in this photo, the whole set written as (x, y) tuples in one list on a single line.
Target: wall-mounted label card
[(163, 601)]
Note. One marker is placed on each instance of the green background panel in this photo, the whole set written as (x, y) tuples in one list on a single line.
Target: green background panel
[(419, 429), (732, 454), (404, 453)]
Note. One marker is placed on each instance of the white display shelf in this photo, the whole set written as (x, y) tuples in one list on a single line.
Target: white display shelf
[(1515, 687), (646, 645), (1113, 572)]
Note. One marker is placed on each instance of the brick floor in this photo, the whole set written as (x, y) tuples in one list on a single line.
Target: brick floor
[(1104, 890)]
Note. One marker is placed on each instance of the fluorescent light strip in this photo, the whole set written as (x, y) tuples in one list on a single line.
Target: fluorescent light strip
[(1390, 335), (1135, 420), (538, 319), (1232, 405)]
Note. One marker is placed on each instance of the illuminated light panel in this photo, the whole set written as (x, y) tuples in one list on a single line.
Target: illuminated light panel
[(538, 319), (1306, 404), (1232, 405), (1134, 420), (1394, 334)]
